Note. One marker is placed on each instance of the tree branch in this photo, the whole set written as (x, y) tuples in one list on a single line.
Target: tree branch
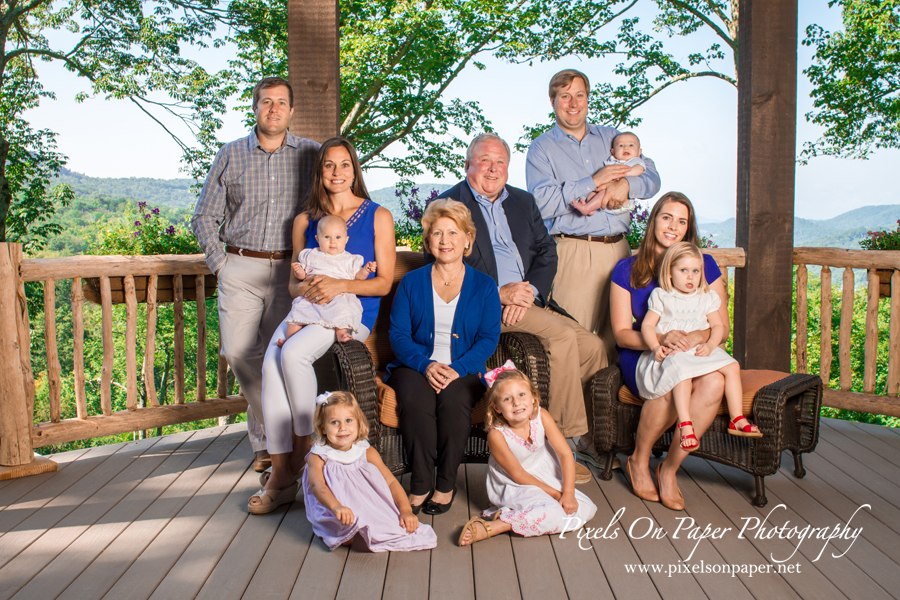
[(732, 42)]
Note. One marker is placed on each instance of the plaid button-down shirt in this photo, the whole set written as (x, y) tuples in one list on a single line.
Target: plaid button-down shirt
[(251, 196)]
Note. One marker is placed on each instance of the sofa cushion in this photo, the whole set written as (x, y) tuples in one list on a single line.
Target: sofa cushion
[(751, 382)]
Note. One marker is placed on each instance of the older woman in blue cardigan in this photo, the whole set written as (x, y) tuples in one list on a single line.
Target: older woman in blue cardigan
[(445, 323)]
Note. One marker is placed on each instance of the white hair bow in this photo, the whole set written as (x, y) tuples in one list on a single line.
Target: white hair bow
[(322, 398)]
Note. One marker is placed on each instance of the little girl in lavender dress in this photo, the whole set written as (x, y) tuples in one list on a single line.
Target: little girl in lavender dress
[(531, 472), (349, 491), (344, 312)]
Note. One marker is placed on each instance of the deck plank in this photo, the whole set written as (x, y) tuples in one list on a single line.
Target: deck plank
[(277, 571), (80, 554), (152, 568), (537, 567), (219, 563), (53, 484), (878, 439), (613, 554), (408, 572), (861, 470), (852, 575), (13, 489), (67, 535), (204, 453), (321, 572), (867, 448), (451, 571), (53, 512), (700, 512), (364, 572), (493, 560), (843, 495), (734, 499)]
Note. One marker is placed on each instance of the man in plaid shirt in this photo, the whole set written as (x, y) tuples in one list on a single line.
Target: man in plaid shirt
[(243, 221)]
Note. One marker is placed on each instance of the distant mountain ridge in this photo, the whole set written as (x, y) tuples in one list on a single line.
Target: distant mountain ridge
[(842, 231)]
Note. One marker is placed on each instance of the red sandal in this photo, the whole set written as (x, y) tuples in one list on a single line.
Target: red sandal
[(746, 430), (689, 447)]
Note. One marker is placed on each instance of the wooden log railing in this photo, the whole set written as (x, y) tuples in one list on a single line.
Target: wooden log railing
[(869, 400), (190, 271)]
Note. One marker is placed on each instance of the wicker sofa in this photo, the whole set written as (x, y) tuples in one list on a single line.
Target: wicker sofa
[(358, 368), (786, 409)]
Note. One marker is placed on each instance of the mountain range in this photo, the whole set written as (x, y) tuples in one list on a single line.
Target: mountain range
[(842, 231)]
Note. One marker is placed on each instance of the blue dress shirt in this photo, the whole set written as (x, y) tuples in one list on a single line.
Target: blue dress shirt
[(559, 170)]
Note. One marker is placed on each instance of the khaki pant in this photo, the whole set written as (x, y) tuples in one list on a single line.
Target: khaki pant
[(582, 284), (575, 355), (253, 300)]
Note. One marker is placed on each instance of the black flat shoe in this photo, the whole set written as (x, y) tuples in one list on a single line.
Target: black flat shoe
[(436, 508), (416, 508)]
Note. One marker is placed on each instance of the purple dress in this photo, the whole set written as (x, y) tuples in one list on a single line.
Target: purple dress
[(360, 486), (640, 297)]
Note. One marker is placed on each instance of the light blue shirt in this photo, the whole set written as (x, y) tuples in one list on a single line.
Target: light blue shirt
[(509, 262), (559, 170)]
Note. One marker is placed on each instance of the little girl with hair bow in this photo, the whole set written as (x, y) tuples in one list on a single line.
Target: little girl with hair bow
[(531, 471), (349, 491)]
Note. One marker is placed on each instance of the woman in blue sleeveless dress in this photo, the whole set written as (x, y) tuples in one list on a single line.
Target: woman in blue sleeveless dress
[(289, 381)]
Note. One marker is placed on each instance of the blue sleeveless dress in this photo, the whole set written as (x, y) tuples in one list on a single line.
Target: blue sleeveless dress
[(361, 234)]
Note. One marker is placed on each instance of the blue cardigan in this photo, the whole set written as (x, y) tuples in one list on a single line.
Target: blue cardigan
[(476, 323)]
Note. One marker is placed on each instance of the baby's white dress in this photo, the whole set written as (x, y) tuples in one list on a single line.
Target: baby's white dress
[(527, 508), (631, 203), (344, 311), (681, 312)]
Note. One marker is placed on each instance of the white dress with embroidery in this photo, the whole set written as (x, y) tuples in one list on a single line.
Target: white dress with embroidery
[(679, 312), (344, 311), (527, 508)]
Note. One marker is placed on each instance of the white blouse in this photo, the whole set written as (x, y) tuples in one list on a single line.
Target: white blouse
[(443, 327)]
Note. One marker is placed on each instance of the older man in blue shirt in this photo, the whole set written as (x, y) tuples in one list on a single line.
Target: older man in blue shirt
[(563, 166), (513, 246)]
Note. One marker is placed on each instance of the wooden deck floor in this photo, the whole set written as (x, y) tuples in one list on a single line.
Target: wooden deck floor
[(166, 518)]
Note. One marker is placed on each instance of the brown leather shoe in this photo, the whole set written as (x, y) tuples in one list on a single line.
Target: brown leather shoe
[(582, 474), (261, 461), (674, 503), (649, 496)]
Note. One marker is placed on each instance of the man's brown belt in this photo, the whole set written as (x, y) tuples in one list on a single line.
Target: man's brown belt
[(603, 239), (254, 254)]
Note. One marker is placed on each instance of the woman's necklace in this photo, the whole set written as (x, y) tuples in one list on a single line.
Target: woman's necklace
[(452, 278)]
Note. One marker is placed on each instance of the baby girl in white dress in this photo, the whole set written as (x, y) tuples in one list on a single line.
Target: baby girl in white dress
[(344, 312), (683, 302)]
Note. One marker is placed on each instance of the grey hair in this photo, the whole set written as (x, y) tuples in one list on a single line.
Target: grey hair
[(482, 137)]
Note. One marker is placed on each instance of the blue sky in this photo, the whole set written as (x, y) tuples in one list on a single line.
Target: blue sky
[(689, 130)]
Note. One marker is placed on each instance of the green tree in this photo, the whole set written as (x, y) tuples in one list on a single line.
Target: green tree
[(856, 79)]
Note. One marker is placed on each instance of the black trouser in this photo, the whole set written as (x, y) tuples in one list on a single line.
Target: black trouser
[(435, 427)]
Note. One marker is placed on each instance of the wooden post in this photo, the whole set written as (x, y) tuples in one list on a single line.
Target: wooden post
[(16, 450), (767, 115), (314, 67)]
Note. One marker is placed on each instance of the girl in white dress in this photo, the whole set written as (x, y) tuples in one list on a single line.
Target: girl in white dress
[(344, 312), (531, 472), (683, 302)]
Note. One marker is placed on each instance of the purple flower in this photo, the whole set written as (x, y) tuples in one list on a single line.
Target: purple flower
[(137, 223), (147, 216), (155, 211), (135, 234), (141, 205), (171, 230)]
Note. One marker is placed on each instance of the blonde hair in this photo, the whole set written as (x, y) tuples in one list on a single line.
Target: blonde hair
[(341, 399), (675, 253), (493, 396), (564, 79), (451, 209)]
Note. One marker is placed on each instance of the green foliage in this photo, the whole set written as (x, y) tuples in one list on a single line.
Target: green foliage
[(408, 227), (640, 218), (398, 58), (882, 240), (142, 230), (856, 79)]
